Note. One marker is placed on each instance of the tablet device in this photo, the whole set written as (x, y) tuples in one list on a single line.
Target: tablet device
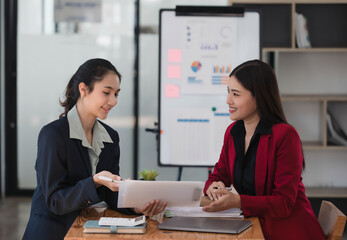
[(200, 224), (137, 193)]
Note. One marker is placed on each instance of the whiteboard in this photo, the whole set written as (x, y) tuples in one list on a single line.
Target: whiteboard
[(197, 54)]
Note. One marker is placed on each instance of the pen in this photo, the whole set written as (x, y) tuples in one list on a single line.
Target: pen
[(227, 188), (108, 179)]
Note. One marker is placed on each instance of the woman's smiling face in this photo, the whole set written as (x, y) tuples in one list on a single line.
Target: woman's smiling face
[(242, 105), (103, 97)]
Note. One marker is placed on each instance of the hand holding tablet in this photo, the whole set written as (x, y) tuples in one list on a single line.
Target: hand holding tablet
[(136, 193)]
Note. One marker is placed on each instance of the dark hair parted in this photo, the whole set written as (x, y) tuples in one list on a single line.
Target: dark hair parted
[(90, 72), (259, 78)]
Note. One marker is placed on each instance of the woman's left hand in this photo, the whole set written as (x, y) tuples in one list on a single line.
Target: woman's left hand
[(226, 201), (113, 186), (152, 208)]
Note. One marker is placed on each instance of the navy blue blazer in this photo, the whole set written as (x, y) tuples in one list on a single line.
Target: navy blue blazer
[(64, 181)]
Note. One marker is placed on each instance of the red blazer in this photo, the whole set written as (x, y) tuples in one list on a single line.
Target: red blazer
[(280, 202)]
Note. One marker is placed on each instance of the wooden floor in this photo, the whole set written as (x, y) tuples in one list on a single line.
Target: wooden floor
[(14, 215)]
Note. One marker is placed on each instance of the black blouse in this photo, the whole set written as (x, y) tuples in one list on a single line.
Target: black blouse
[(244, 168)]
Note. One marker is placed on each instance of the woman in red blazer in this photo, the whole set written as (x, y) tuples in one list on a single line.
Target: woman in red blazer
[(262, 157)]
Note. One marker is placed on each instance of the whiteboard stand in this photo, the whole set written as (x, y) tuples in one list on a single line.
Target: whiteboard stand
[(156, 132), (180, 169)]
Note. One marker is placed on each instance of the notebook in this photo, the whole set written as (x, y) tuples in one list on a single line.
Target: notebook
[(92, 226), (198, 224)]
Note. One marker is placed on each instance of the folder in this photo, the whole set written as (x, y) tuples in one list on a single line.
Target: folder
[(135, 193)]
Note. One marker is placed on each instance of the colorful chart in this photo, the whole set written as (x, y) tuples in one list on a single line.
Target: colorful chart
[(220, 80), (196, 65), (222, 69), (194, 80)]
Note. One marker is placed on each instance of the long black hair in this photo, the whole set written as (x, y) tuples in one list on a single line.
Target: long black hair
[(90, 72), (259, 78)]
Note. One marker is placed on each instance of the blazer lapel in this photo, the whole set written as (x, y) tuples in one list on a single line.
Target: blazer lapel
[(85, 156), (261, 165)]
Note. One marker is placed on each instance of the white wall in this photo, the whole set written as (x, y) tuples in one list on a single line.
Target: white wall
[(312, 73), (46, 62)]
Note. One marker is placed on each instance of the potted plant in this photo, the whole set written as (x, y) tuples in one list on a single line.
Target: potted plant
[(148, 175)]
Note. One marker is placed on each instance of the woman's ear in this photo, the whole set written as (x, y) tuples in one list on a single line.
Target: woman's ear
[(82, 87)]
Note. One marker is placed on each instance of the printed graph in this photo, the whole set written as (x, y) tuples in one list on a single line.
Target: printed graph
[(220, 80), (222, 69), (196, 66)]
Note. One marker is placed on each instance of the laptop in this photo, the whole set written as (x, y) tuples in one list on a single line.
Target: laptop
[(199, 224)]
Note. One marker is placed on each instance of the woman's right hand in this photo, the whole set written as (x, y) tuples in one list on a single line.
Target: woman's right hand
[(111, 185), (152, 208), (210, 191)]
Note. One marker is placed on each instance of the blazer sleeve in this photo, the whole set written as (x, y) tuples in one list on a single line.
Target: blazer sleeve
[(221, 168), (60, 195), (111, 198), (287, 176)]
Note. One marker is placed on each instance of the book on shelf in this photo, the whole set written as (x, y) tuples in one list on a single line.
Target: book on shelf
[(336, 135), (301, 31), (92, 226)]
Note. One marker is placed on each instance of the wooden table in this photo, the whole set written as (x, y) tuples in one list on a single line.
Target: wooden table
[(76, 230)]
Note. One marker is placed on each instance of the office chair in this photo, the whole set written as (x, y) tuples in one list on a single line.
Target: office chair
[(332, 220)]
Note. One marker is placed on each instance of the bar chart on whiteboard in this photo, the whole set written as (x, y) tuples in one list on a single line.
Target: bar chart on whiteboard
[(201, 137)]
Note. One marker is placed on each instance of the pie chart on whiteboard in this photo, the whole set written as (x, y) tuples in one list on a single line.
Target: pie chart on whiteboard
[(196, 65)]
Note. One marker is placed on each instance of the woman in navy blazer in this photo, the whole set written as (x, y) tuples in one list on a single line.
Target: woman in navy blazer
[(262, 157), (74, 150)]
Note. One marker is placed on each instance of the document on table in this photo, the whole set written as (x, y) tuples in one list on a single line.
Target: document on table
[(197, 212), (135, 193)]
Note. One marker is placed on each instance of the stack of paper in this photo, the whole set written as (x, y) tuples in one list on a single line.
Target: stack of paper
[(302, 38), (197, 212)]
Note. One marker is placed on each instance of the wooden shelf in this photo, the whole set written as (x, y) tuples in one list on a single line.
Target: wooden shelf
[(279, 23), (326, 192), (287, 1), (321, 147), (309, 97), (261, 2), (319, 1), (304, 50), (324, 101)]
